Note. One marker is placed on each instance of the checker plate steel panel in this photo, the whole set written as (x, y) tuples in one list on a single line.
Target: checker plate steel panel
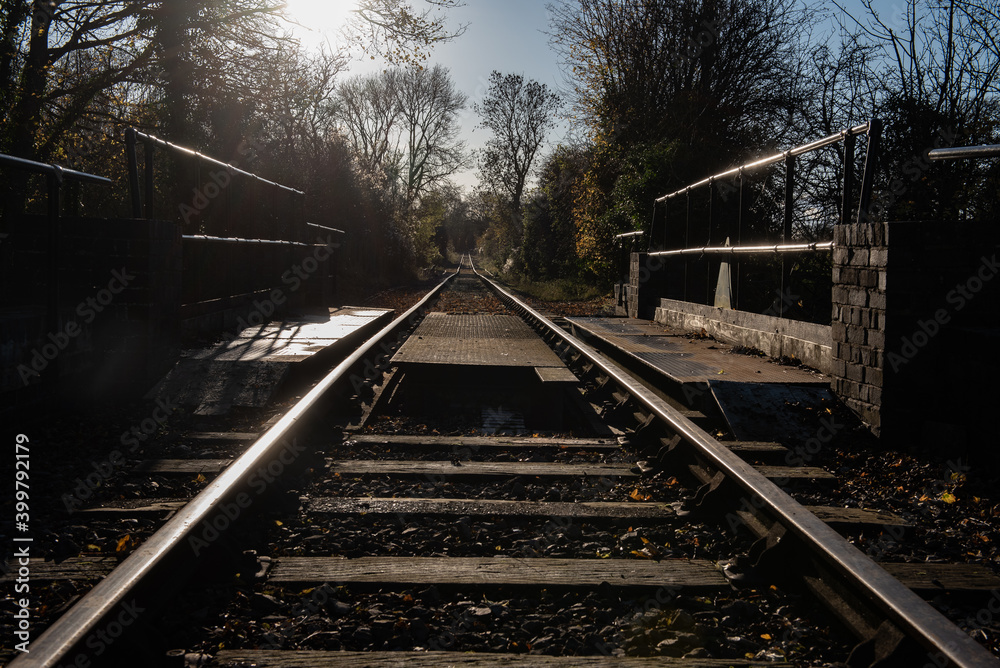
[(486, 340), (690, 359)]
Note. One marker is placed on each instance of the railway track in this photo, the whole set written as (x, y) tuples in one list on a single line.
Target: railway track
[(457, 493)]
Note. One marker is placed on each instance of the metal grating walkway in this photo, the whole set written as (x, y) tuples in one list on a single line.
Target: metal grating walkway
[(483, 340)]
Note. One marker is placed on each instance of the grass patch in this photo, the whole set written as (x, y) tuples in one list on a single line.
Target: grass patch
[(557, 290)]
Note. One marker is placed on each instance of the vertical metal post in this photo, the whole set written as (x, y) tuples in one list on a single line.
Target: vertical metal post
[(55, 177), (148, 168), (711, 223), (652, 229), (871, 164), (687, 243), (786, 232), (229, 204), (133, 173), (739, 240), (847, 205)]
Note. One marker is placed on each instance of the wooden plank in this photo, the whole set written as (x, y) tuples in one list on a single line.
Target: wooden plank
[(488, 507), (499, 571), (479, 469), (237, 658), (755, 447), (937, 578), (856, 516), (795, 473), (486, 442), (136, 507), (554, 374), (221, 436), (76, 568), (181, 466)]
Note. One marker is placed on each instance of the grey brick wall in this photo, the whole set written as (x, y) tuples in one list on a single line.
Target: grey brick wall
[(858, 320), (916, 319)]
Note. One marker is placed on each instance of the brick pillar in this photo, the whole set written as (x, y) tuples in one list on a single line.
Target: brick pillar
[(645, 286), (860, 262), (916, 328)]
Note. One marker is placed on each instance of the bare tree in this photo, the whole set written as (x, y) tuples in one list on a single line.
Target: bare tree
[(519, 113), (429, 105), (399, 33), (934, 78), (368, 109)]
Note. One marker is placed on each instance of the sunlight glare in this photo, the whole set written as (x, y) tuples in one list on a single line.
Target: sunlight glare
[(319, 20)]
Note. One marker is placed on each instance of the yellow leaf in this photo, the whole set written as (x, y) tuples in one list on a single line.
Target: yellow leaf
[(278, 523), (948, 497), (765, 636), (123, 543)]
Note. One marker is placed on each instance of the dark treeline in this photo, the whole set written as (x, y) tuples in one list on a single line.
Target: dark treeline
[(664, 93), (228, 79), (658, 94)]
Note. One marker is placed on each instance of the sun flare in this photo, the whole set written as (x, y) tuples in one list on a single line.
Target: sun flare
[(316, 21)]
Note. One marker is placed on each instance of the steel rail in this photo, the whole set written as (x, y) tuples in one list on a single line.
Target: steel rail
[(909, 612), (771, 159), (747, 250), (80, 621)]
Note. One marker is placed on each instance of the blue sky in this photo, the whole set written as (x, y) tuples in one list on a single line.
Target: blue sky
[(506, 35)]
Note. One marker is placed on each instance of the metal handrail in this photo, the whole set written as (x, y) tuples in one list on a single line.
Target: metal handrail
[(873, 129), (59, 173), (324, 227), (965, 152), (55, 175), (132, 136), (748, 250), (240, 240), (864, 128)]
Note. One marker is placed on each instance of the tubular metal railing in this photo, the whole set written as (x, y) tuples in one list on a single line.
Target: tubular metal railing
[(55, 176), (143, 207), (873, 130), (965, 152)]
